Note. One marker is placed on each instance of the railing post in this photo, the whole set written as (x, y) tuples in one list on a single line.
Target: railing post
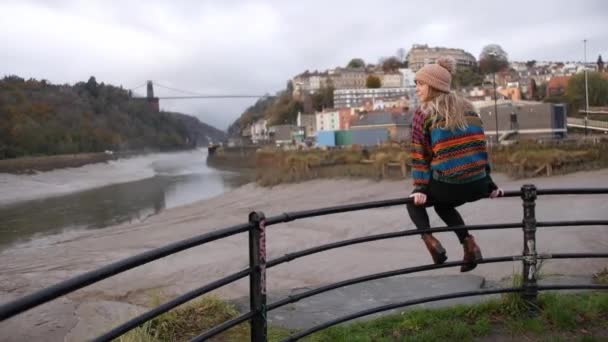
[(530, 289), (257, 279)]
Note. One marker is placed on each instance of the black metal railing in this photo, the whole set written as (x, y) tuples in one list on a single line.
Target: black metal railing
[(256, 227)]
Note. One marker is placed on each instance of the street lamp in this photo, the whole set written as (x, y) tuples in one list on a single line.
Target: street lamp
[(493, 55), (586, 86)]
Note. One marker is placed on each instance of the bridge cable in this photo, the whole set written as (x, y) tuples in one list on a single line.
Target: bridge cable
[(199, 95), (139, 86)]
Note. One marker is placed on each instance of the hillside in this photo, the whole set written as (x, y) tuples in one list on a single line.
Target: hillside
[(200, 133), (282, 108), (39, 118)]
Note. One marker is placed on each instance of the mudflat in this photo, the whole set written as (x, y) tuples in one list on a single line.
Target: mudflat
[(92, 310)]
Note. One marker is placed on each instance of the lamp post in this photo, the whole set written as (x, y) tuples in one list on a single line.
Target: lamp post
[(586, 87), (493, 55), (495, 105)]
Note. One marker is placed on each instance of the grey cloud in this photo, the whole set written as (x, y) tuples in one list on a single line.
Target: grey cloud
[(242, 46)]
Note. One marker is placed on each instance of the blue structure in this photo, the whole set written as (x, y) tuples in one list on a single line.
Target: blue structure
[(326, 138)]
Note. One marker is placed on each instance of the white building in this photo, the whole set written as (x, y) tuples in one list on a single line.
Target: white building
[(419, 55), (389, 104), (310, 82), (408, 79), (307, 123), (315, 83), (349, 98), (569, 69), (259, 131), (391, 79), (318, 81), (477, 92), (328, 120), (519, 66)]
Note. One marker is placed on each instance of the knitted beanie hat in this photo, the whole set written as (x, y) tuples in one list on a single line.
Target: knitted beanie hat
[(439, 75)]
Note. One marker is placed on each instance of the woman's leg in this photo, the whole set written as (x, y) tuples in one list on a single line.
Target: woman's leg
[(452, 218), (420, 218)]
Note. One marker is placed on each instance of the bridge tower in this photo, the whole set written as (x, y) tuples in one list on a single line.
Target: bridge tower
[(152, 101), (150, 90)]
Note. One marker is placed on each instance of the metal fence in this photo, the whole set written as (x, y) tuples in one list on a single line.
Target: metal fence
[(591, 124), (256, 227)]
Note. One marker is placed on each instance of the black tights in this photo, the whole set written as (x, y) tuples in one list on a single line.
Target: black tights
[(445, 198), (447, 213)]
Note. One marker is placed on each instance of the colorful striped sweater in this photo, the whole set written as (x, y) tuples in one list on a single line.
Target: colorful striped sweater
[(451, 156)]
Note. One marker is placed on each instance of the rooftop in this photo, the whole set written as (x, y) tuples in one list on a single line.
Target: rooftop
[(378, 118)]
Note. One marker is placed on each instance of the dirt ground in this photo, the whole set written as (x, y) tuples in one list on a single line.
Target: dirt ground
[(47, 163), (89, 311)]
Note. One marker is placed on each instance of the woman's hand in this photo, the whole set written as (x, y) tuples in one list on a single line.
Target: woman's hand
[(497, 193), (419, 198)]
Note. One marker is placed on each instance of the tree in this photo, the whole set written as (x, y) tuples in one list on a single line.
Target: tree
[(284, 109), (531, 64), (532, 89), (597, 86), (38, 117), (401, 54), (493, 59), (289, 87), (541, 92), (467, 78), (356, 63), (324, 98), (373, 82), (391, 64), (91, 86)]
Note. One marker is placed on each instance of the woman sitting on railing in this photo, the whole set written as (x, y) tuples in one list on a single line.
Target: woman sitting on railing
[(449, 157)]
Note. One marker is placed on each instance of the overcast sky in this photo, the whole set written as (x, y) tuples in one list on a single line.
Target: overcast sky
[(254, 47)]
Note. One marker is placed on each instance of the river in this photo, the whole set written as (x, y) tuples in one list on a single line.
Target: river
[(101, 195)]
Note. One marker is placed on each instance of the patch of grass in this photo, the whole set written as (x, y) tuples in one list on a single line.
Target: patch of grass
[(276, 166), (461, 323), (140, 334), (47, 163), (555, 339), (591, 339), (530, 325), (601, 277), (564, 314), (561, 317), (482, 326), (513, 305), (568, 312), (527, 159), (190, 320), (524, 159)]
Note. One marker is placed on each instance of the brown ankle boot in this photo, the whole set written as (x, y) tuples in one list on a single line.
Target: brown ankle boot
[(435, 248), (472, 254)]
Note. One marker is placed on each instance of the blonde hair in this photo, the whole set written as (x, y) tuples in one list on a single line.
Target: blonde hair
[(448, 107)]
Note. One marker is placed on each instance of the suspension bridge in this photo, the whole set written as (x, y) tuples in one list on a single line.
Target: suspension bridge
[(185, 94), (594, 125)]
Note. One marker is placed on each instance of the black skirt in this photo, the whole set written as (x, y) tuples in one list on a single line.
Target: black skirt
[(458, 194)]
